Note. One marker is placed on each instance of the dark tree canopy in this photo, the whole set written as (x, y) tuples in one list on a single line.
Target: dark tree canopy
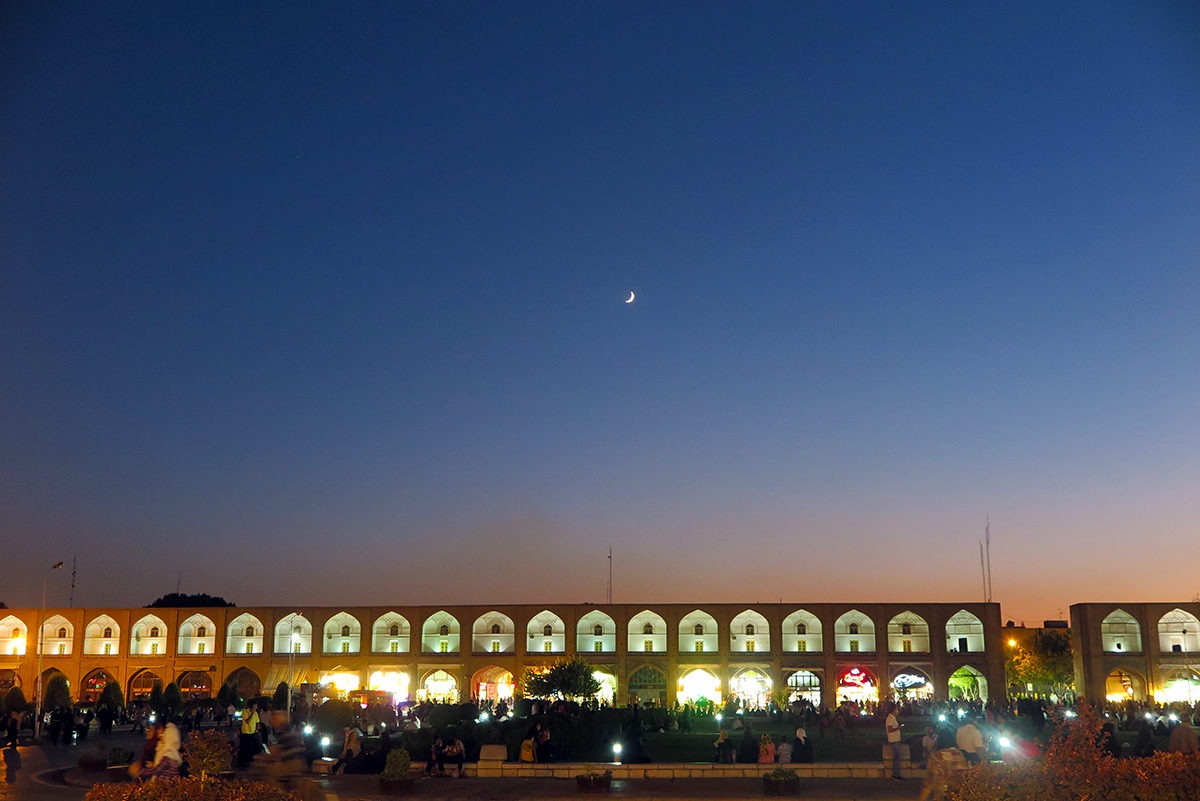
[(564, 679), (179, 599)]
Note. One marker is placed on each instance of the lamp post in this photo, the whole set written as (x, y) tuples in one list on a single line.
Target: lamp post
[(37, 683), (292, 647)]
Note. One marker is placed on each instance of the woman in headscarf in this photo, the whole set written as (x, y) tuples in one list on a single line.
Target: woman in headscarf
[(167, 758), (802, 748)]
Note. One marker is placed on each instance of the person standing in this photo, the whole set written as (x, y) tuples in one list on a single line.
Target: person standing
[(249, 743), (892, 725)]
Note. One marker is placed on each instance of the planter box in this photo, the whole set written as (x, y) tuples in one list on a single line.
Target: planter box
[(788, 786), (116, 773), (593, 784)]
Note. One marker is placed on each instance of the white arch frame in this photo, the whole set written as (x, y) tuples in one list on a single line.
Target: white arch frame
[(190, 639), (334, 641), (1120, 633), (917, 637), (637, 638), (964, 629), (433, 641), (862, 642), (1179, 632), (382, 639), (52, 643), (94, 641), (501, 642), (293, 634), (538, 642), (741, 641), (709, 641), (142, 640), (237, 640), (586, 639), (810, 641), (14, 636)]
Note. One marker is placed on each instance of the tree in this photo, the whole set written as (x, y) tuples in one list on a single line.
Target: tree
[(572, 678), (172, 700), (280, 699), (111, 696), (14, 699), (176, 600), (228, 694), (1047, 664), (156, 698), (58, 693)]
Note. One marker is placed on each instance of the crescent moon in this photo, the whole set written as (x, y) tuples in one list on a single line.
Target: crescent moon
[(631, 297)]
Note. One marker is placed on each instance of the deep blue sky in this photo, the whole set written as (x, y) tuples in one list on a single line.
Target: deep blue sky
[(324, 303)]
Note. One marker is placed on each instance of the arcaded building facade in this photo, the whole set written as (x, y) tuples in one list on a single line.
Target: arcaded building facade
[(660, 652), (1137, 652)]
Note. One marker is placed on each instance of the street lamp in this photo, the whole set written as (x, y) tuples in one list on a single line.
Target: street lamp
[(293, 646), (37, 707)]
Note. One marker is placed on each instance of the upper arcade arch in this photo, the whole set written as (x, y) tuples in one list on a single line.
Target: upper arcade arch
[(197, 635), (58, 636), (802, 632), (908, 633), (244, 635), (14, 636), (148, 636), (750, 632), (698, 633), (596, 632), (647, 633), (964, 633), (293, 634), (547, 634), (343, 634), (854, 632), (1120, 633), (102, 637), (390, 635), (440, 634), (493, 632), (1178, 632)]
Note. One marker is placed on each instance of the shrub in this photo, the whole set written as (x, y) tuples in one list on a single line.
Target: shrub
[(398, 764), (191, 789), (120, 756), (333, 716), (210, 752)]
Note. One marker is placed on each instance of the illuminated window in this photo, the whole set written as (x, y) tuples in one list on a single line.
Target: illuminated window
[(295, 646), (906, 646), (495, 646), (345, 631), (249, 647), (801, 645), (154, 648), (200, 647), (443, 646), (394, 647), (854, 628), (394, 631), (750, 628), (749, 645), (648, 628), (444, 630), (906, 628), (548, 646), (202, 632), (598, 630), (699, 629), (62, 633), (598, 646), (648, 645), (17, 634), (854, 646), (107, 648), (154, 631), (699, 646), (108, 632), (801, 628), (495, 628), (345, 647), (547, 630), (62, 649), (249, 631)]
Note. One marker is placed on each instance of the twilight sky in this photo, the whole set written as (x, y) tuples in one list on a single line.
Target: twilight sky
[(323, 303)]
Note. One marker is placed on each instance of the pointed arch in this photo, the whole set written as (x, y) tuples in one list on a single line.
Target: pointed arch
[(1120, 633), (197, 635), (147, 636), (1178, 632), (58, 636), (244, 635), (102, 637), (854, 632), (343, 634), (908, 633), (964, 633), (493, 632), (14, 636), (440, 635), (293, 634), (93, 684), (493, 683), (390, 634), (247, 683), (141, 684), (547, 634), (647, 634), (698, 632), (802, 632), (750, 633), (596, 632)]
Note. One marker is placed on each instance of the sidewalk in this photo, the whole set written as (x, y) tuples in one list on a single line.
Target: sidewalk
[(366, 788)]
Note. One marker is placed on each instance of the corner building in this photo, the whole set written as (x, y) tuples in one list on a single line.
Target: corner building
[(1137, 652), (660, 652)]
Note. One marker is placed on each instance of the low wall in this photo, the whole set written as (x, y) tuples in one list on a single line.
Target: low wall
[(680, 770)]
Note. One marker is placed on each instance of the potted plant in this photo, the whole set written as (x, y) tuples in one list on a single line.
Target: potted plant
[(781, 781), (594, 782), (210, 753), (394, 779)]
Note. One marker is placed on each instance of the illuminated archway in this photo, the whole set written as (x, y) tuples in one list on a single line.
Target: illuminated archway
[(493, 684), (102, 637), (967, 684), (8, 680), (596, 632), (752, 687), (395, 682), (854, 632), (964, 633), (246, 681), (439, 687), (647, 633), (13, 636), (93, 685), (244, 635), (607, 694), (1124, 685), (647, 683), (698, 633), (749, 633), (858, 685), (802, 632), (911, 683), (804, 685), (343, 679), (698, 685), (493, 633), (1178, 685), (148, 636), (1178, 633), (142, 684), (195, 685), (1120, 633), (197, 635)]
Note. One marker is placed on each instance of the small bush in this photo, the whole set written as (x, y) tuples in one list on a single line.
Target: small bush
[(191, 789), (120, 756), (398, 764), (210, 752)]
